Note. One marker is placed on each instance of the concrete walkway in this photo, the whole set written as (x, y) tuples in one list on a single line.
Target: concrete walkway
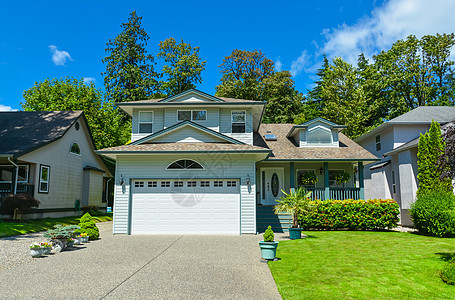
[(146, 267)]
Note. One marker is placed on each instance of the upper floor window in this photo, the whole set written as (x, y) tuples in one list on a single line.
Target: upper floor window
[(319, 136), (238, 119), (145, 122), (184, 164), (378, 142), (75, 149), (192, 115)]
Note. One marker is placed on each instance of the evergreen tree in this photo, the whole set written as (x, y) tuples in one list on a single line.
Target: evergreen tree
[(130, 73), (431, 147)]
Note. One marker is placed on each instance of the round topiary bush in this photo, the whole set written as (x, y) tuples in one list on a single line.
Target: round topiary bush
[(448, 273), (434, 213), (88, 226), (268, 235)]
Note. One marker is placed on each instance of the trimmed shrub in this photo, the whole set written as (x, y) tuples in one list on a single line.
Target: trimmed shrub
[(448, 273), (352, 214), (434, 213), (92, 210), (268, 235), (88, 226)]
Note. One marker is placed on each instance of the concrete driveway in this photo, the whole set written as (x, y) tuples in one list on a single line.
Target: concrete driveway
[(146, 267)]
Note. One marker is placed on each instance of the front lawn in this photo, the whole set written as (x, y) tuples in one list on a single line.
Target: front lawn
[(30, 226), (363, 265)]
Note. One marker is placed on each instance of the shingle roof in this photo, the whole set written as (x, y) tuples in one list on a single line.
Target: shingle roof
[(286, 148), (22, 132), (181, 147), (229, 100)]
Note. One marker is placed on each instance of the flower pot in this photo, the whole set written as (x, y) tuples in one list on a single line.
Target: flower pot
[(70, 245), (84, 239), (295, 233), (58, 245), (78, 240), (268, 249), (36, 252), (47, 250)]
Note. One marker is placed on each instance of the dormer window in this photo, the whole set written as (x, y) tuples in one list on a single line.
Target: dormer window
[(238, 119), (319, 135), (191, 115), (145, 122)]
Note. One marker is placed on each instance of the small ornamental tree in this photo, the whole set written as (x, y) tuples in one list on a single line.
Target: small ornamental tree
[(268, 235), (88, 226), (431, 147)]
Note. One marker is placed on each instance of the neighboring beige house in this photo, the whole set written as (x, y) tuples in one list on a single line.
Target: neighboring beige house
[(51, 156), (200, 164), (396, 142)]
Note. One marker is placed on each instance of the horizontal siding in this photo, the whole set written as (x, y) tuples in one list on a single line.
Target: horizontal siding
[(226, 125), (215, 166), (158, 123), (187, 135)]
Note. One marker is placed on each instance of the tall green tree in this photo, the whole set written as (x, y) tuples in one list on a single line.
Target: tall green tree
[(431, 147), (251, 75), (130, 73), (105, 122), (184, 66)]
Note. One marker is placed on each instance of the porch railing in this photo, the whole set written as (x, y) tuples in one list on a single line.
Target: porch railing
[(335, 193), (7, 188)]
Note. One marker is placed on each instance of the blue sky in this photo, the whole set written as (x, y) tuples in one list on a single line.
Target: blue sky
[(53, 39)]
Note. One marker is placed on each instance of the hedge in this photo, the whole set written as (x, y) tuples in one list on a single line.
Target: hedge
[(352, 214)]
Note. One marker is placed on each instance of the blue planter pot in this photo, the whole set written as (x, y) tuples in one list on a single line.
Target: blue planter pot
[(268, 249), (295, 233)]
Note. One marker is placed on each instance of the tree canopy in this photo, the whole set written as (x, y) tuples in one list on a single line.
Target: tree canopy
[(130, 73), (106, 124)]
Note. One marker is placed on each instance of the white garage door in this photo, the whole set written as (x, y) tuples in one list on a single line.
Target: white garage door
[(202, 206)]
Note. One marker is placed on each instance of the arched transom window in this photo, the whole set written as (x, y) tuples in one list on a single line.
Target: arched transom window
[(184, 164), (75, 149)]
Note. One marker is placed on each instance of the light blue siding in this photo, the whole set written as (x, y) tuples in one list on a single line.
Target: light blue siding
[(158, 123), (226, 125)]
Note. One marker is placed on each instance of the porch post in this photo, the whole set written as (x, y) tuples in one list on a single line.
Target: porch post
[(361, 183), (326, 181), (292, 178)]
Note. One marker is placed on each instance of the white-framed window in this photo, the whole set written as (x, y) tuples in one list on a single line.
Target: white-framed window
[(178, 183), (319, 135), (217, 183), (165, 184), (185, 164), (205, 183), (238, 121), (231, 183), (152, 184), (75, 149), (145, 121), (301, 173), (138, 184), (7, 171), (378, 142), (191, 184), (394, 185), (191, 115), (44, 175)]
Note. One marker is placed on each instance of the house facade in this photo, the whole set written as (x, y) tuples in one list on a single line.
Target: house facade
[(396, 143), (50, 155), (200, 164)]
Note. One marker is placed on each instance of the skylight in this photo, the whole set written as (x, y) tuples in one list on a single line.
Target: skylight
[(270, 137)]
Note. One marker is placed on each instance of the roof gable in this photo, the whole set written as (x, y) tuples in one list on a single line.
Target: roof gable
[(192, 95), (199, 132)]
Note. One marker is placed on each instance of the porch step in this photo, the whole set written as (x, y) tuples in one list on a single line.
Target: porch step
[(265, 216)]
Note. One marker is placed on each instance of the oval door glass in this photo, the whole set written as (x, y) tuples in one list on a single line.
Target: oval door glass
[(275, 183)]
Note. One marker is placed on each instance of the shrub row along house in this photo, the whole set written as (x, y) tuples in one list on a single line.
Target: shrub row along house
[(396, 143), (204, 164), (50, 155)]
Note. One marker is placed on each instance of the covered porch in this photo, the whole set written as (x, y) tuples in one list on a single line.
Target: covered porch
[(337, 180)]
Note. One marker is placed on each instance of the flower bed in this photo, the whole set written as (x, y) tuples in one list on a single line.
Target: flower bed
[(352, 214)]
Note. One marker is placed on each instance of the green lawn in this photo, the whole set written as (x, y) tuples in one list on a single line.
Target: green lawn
[(29, 226), (363, 265)]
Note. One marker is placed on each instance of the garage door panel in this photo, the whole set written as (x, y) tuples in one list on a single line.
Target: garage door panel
[(183, 208)]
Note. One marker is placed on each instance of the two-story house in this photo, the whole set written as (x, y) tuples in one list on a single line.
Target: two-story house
[(396, 142), (204, 164)]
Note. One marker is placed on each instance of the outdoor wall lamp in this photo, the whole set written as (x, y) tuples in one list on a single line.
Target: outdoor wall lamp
[(247, 179), (321, 170), (121, 181)]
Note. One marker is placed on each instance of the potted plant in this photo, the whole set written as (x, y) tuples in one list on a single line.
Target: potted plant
[(47, 248), (70, 243), (295, 202), (36, 250), (77, 240), (342, 177), (59, 236), (268, 245), (309, 178), (87, 225), (84, 238)]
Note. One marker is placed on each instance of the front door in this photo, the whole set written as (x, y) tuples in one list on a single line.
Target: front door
[(271, 185)]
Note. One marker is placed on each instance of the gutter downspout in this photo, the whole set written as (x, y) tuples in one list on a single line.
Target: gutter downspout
[(17, 173), (107, 190)]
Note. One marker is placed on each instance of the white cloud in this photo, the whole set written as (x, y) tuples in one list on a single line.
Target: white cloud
[(59, 57), (394, 20), (87, 80), (298, 65), (278, 65), (6, 108)]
